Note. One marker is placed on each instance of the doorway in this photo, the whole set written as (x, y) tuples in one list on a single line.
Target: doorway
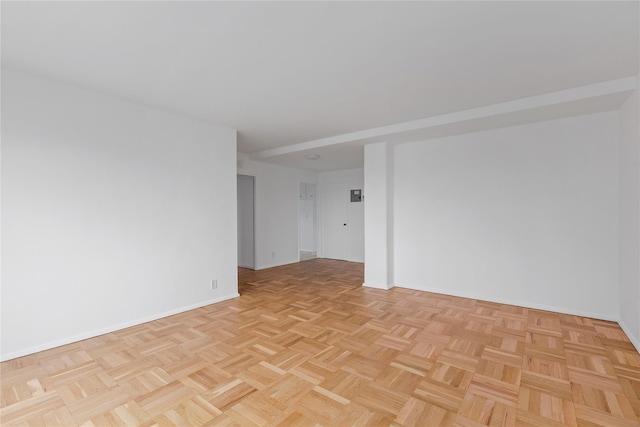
[(335, 216), (342, 221), (307, 245), (246, 229)]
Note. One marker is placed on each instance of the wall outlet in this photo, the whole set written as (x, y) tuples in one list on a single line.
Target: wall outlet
[(214, 284), (273, 254)]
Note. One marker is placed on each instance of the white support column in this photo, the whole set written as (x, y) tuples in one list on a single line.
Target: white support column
[(378, 216)]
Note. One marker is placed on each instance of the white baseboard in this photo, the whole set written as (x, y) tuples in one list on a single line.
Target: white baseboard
[(109, 329), (265, 266), (634, 340), (525, 304), (382, 286)]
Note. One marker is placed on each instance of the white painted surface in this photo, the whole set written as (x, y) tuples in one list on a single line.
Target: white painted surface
[(112, 213), (630, 218), (422, 59), (276, 211), (356, 228), (335, 221), (334, 157), (307, 217), (527, 215), (340, 149), (349, 179), (378, 219), (246, 230)]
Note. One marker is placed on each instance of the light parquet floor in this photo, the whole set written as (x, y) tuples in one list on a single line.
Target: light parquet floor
[(307, 345)]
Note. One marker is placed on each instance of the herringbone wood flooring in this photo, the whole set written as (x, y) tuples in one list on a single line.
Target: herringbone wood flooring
[(307, 345)]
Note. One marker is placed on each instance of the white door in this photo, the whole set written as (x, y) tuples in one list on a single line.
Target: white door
[(246, 245), (335, 228)]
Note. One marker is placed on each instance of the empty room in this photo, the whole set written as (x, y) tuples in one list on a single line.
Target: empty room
[(320, 213)]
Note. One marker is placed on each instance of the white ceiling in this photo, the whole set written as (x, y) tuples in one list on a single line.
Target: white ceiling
[(286, 73)]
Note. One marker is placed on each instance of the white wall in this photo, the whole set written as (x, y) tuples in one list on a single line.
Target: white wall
[(352, 179), (630, 218), (276, 211), (246, 229), (525, 215), (307, 214), (378, 219), (113, 214)]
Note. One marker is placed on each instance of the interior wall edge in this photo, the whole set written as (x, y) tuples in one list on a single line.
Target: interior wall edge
[(627, 330)]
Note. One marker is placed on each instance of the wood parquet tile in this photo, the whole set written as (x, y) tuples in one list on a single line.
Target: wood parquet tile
[(307, 345)]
